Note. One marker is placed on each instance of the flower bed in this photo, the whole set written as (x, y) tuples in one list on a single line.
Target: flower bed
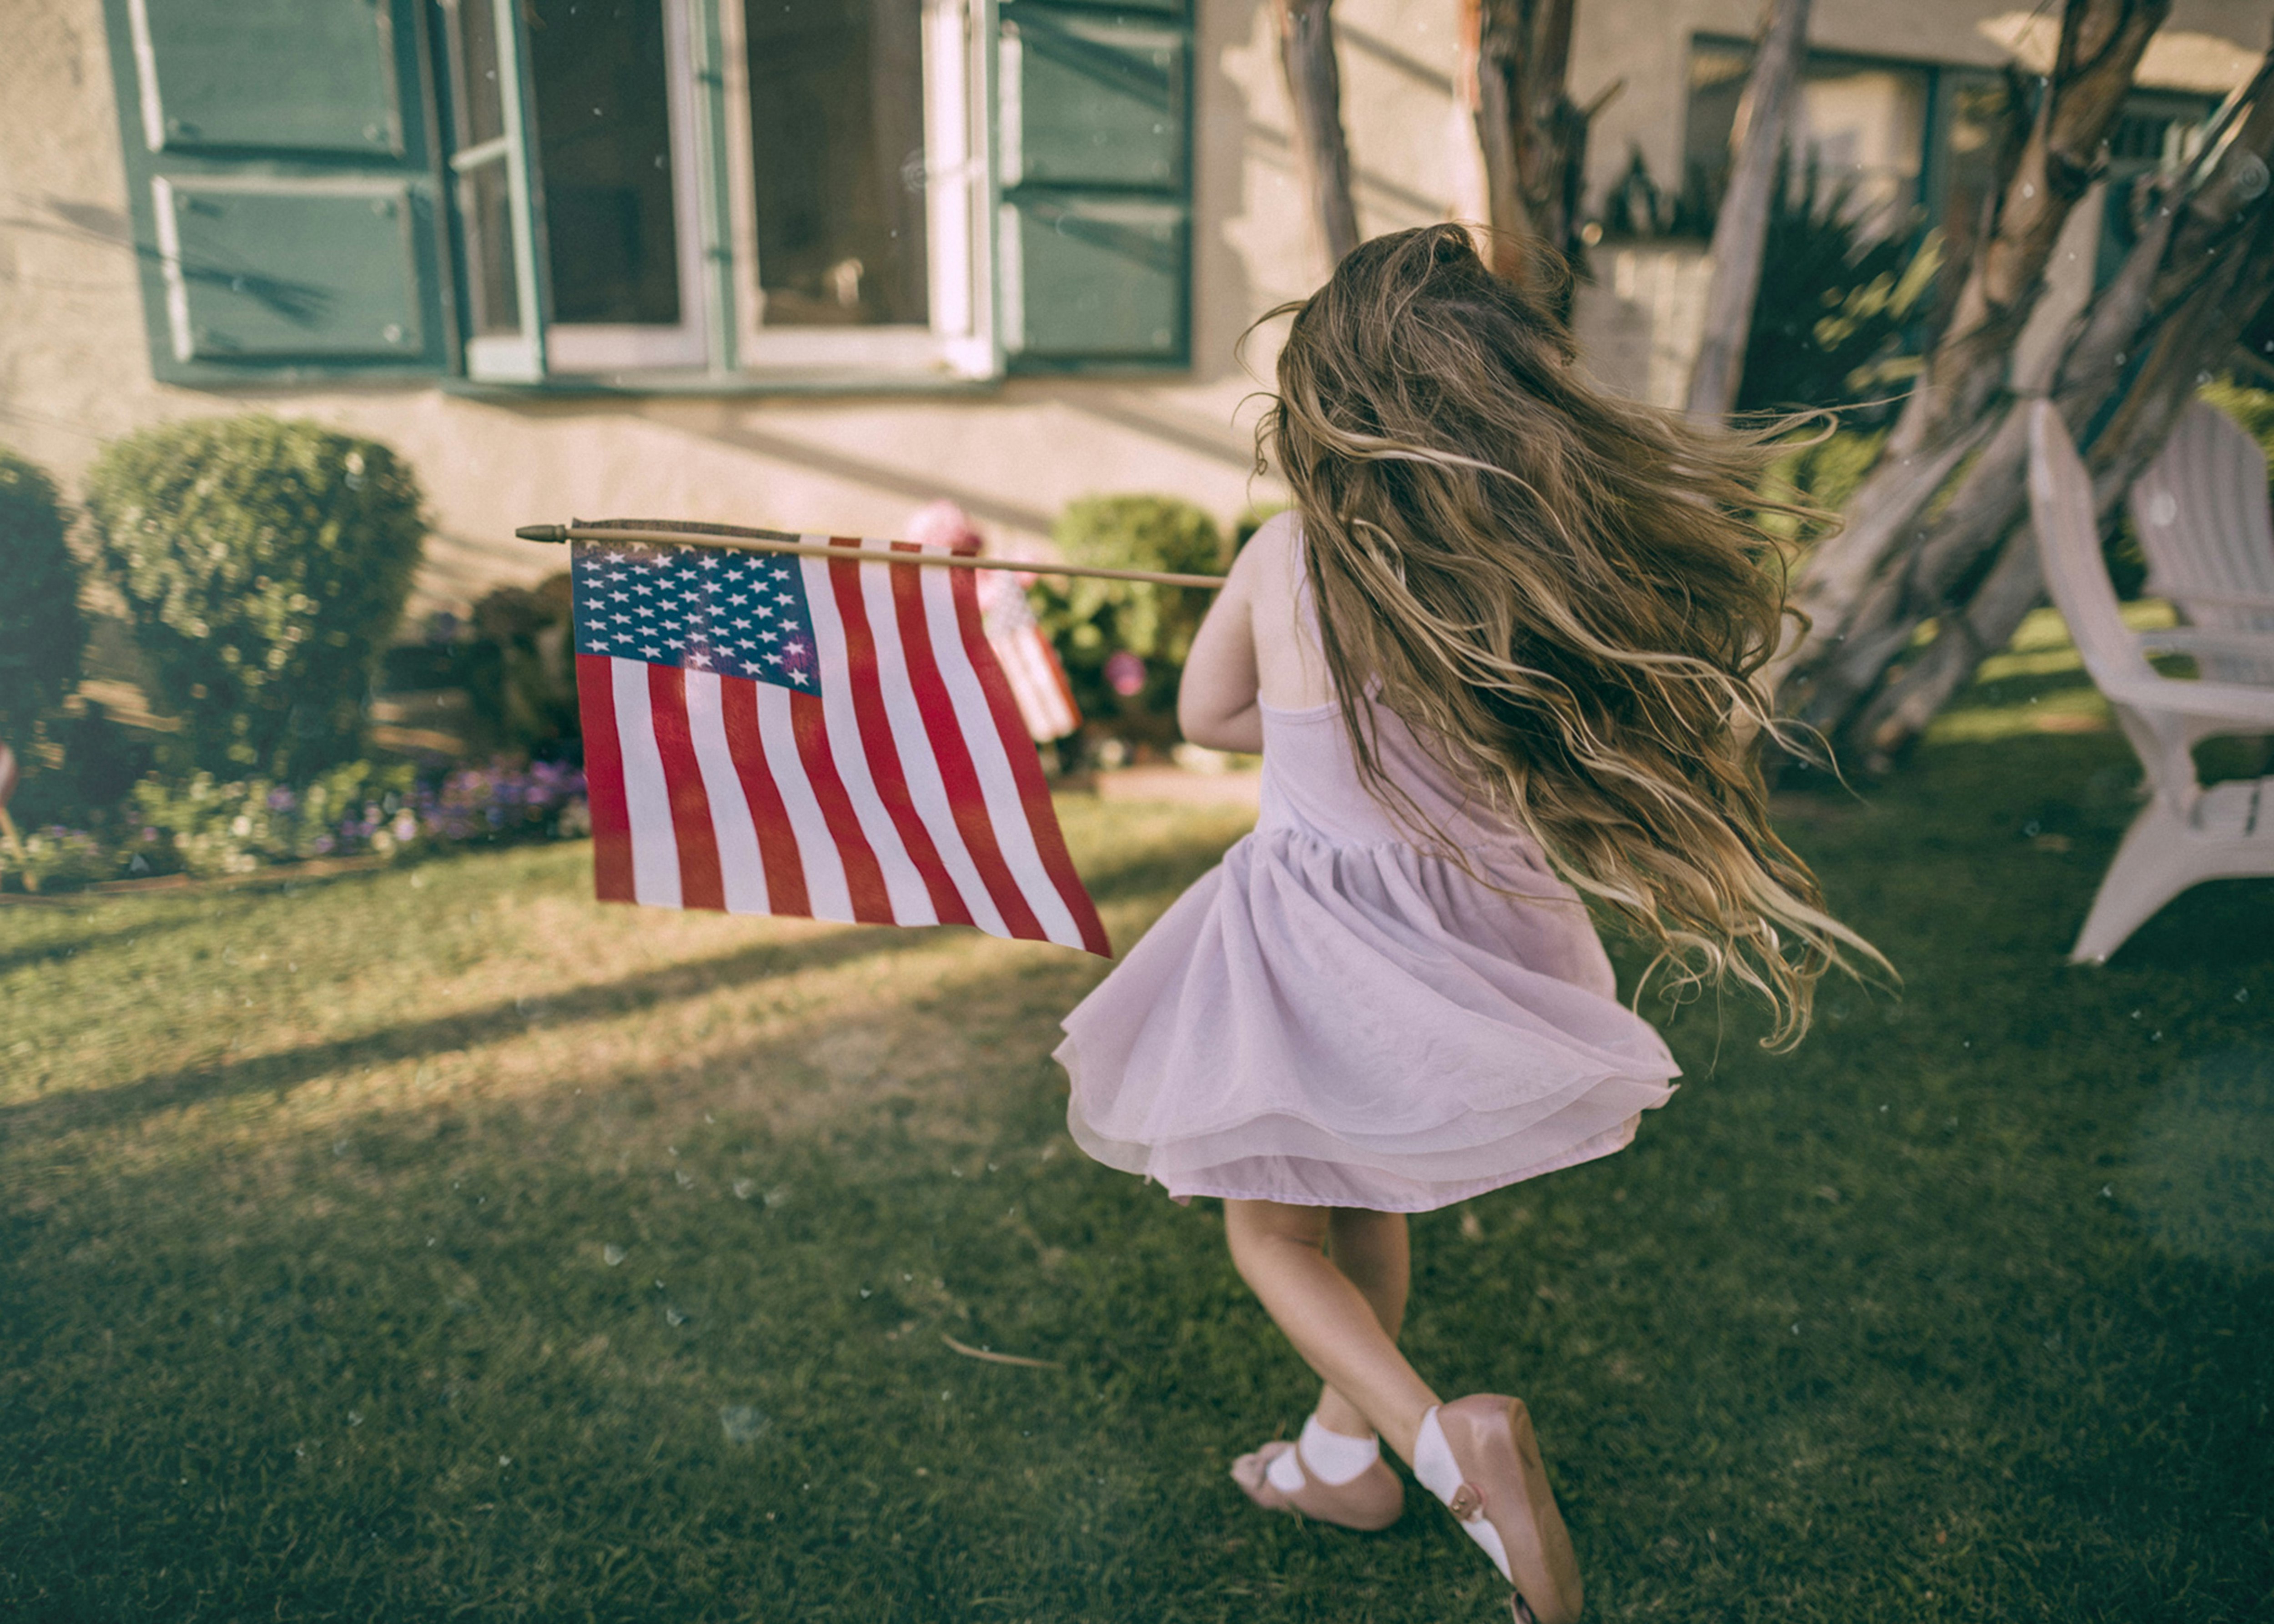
[(205, 828)]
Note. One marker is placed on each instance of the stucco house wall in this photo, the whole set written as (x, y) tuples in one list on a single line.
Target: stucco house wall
[(75, 369)]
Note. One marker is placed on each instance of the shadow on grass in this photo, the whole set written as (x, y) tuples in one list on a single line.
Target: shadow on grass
[(66, 936), (551, 1366), (1946, 1319), (60, 1111)]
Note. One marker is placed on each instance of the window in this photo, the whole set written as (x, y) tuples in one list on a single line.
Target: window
[(1915, 144), (578, 166), (2156, 133), (856, 165), (1975, 122), (1858, 126), (660, 193), (838, 161)]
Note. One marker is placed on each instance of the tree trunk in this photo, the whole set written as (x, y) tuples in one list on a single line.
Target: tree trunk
[(1742, 227), (2101, 44), (1530, 135), (1844, 594), (2201, 271), (1314, 94)]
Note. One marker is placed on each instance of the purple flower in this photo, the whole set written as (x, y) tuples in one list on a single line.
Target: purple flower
[(1125, 674)]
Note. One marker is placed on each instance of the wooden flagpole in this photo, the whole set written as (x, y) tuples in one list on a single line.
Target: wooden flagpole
[(784, 541)]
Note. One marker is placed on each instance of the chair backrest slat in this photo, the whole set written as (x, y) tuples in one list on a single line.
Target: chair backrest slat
[(2061, 509), (2206, 524), (2205, 519)]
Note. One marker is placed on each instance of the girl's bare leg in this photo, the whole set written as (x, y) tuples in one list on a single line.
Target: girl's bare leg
[(1371, 1250), (1337, 1326)]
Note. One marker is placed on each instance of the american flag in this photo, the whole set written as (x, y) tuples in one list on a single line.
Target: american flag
[(1038, 681), (776, 734)]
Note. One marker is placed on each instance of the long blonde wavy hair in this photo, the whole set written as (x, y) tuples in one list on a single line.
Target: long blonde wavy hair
[(1567, 597)]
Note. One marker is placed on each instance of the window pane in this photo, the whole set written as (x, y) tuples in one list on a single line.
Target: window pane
[(604, 148), (1978, 113), (1866, 128), (837, 132), (1861, 129), (486, 209), (481, 102), (1717, 83)]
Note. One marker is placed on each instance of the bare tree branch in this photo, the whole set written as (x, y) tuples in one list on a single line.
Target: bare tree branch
[(1314, 94), (2101, 43), (1845, 594), (1741, 230), (1532, 137), (2201, 270)]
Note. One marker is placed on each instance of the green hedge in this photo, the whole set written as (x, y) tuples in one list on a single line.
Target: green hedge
[(264, 563), (41, 631), (1091, 620)]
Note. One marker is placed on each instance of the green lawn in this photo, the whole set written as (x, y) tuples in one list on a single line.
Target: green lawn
[(433, 1242)]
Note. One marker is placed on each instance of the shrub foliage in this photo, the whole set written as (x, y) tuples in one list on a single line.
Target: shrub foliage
[(42, 632), (520, 672), (265, 563), (1091, 620), (1841, 291)]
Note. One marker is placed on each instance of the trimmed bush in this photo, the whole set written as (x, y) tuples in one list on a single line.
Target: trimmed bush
[(1091, 620), (265, 563), (521, 671), (41, 631)]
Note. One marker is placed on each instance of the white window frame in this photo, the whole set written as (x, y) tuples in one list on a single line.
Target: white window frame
[(959, 341), (584, 348)]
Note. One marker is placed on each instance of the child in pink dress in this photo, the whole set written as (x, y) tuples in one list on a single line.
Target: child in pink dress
[(1500, 654)]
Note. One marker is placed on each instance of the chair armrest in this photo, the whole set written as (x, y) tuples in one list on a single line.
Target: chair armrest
[(2239, 708), (2209, 639), (2264, 601)]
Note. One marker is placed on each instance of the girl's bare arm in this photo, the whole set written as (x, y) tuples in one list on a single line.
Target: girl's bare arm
[(1216, 701)]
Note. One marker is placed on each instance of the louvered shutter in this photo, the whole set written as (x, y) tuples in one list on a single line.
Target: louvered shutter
[(280, 166), (1094, 168)]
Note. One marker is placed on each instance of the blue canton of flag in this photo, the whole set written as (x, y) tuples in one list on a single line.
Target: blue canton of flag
[(738, 614)]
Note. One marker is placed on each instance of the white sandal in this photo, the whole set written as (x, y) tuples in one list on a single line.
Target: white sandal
[(1370, 1502)]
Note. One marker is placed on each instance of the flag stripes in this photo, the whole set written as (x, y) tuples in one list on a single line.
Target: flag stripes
[(1037, 680), (1039, 819), (901, 787)]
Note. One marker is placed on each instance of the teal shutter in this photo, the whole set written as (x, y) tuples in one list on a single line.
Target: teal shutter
[(1094, 166), (280, 163)]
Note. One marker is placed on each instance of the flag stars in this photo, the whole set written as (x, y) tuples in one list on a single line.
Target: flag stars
[(703, 610)]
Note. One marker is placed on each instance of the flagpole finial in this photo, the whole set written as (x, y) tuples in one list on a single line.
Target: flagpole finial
[(542, 532)]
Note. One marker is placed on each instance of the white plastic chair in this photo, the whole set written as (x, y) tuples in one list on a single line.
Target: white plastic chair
[(2207, 526), (2186, 834)]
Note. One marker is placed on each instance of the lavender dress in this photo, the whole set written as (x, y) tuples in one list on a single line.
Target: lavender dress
[(1335, 1017)]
